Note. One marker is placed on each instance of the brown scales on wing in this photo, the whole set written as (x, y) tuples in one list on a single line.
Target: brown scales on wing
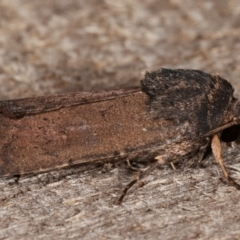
[(99, 130)]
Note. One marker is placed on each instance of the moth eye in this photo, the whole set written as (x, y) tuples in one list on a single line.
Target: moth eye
[(230, 134)]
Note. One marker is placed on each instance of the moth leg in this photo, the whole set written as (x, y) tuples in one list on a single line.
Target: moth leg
[(131, 166), (217, 152), (128, 163), (137, 179), (173, 166)]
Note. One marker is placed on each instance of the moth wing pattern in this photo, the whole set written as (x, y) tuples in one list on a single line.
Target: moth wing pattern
[(192, 96)]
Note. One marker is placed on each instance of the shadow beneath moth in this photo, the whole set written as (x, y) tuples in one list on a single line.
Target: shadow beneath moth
[(175, 116)]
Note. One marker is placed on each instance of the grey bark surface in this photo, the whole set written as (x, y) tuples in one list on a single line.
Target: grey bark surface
[(64, 46)]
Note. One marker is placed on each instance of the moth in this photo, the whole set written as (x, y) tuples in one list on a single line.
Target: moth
[(176, 116)]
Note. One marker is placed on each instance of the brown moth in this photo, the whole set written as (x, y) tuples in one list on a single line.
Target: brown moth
[(175, 116)]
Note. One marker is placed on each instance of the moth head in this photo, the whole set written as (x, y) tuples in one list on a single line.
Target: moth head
[(232, 133)]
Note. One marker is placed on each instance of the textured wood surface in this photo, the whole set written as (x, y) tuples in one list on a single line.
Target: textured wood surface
[(61, 46)]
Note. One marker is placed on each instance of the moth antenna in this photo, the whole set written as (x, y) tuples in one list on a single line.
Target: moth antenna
[(219, 129)]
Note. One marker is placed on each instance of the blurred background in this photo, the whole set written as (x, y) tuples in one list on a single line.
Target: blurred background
[(61, 46)]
